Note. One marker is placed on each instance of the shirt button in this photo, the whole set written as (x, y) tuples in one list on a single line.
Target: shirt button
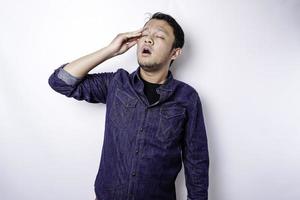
[(141, 129), (136, 151), (133, 173)]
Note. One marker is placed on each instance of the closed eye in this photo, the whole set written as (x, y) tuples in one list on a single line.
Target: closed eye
[(159, 36)]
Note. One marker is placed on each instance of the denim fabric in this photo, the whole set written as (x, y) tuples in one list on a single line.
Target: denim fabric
[(144, 145)]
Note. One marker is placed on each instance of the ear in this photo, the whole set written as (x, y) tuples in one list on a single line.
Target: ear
[(175, 53)]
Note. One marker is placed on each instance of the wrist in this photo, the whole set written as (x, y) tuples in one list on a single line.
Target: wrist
[(110, 51)]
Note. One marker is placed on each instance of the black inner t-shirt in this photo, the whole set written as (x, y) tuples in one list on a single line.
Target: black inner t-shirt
[(150, 91)]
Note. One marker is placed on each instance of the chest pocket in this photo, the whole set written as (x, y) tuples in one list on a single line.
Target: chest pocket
[(123, 108), (171, 123)]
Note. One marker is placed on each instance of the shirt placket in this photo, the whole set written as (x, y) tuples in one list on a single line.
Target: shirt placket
[(134, 173)]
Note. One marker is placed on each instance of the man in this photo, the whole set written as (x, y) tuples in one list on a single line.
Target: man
[(153, 121)]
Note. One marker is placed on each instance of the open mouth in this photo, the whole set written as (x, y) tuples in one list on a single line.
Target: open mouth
[(146, 51)]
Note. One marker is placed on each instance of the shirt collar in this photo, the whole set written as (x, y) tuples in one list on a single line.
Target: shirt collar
[(167, 85)]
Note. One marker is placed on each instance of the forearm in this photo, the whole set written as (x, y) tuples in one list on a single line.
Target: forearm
[(72, 79), (81, 66)]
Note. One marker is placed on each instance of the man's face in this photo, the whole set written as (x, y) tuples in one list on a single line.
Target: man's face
[(154, 48)]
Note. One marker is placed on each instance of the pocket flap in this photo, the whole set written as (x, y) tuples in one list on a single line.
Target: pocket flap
[(169, 112)]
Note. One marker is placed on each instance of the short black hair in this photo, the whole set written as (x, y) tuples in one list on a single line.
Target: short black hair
[(177, 30)]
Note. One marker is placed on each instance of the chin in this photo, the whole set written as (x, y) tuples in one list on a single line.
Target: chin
[(150, 67), (147, 68)]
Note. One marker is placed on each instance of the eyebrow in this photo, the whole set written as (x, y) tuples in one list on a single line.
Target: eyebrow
[(159, 29)]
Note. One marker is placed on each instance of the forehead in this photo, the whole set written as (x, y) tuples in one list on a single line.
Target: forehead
[(159, 25)]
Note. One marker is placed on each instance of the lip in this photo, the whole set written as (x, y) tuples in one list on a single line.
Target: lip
[(145, 47)]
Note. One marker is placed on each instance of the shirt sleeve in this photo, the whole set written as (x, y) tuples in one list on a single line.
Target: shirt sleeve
[(92, 88), (195, 153)]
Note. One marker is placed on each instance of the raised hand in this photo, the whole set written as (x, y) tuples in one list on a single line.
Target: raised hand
[(124, 41)]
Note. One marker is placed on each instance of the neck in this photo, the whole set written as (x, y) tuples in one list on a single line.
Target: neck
[(154, 77)]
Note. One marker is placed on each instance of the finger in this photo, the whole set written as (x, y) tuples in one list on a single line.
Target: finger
[(131, 44), (134, 33), (134, 38)]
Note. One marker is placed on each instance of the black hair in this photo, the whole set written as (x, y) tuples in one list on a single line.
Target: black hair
[(177, 30)]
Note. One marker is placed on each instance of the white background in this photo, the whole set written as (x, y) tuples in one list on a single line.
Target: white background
[(243, 57)]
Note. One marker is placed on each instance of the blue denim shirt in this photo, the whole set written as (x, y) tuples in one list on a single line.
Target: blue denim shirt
[(144, 145)]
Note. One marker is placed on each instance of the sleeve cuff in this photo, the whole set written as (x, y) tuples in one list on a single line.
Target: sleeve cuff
[(67, 77)]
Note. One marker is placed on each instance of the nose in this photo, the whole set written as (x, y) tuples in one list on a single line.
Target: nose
[(148, 40)]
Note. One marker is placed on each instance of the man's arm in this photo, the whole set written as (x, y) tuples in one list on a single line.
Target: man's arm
[(72, 79), (195, 153), (81, 66)]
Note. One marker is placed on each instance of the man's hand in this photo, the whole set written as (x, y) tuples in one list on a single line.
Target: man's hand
[(124, 41)]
